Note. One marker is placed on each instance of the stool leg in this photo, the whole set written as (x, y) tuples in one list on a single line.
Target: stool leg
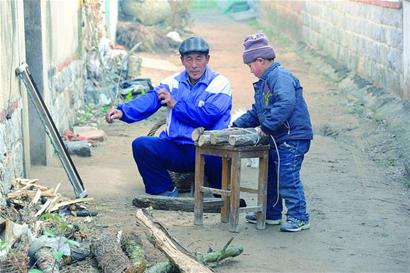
[(235, 193), (226, 178), (262, 188), (199, 182)]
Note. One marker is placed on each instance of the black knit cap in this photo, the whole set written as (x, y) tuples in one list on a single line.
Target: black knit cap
[(194, 44)]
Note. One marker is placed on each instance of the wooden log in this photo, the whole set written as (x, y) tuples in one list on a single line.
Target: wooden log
[(212, 205), (109, 255), (244, 140), (204, 139), (131, 244), (45, 260), (196, 133), (177, 254), (222, 136), (161, 267)]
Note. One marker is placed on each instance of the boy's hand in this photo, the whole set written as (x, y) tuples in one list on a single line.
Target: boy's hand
[(166, 98), (112, 115), (261, 133)]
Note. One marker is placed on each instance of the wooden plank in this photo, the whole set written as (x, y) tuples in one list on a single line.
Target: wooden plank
[(251, 209), (212, 205), (215, 191), (249, 190)]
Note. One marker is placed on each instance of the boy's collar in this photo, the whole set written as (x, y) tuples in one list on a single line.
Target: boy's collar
[(269, 69)]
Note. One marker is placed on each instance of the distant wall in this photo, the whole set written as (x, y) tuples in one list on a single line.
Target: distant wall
[(364, 35), (12, 98)]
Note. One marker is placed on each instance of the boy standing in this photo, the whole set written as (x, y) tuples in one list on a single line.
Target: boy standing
[(280, 112)]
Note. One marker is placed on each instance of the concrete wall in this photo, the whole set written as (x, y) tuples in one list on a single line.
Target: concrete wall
[(12, 98), (57, 64), (406, 48), (365, 36)]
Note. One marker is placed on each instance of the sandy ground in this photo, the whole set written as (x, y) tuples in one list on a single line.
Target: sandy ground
[(358, 204)]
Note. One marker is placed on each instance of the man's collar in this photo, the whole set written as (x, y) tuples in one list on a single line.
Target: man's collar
[(205, 78)]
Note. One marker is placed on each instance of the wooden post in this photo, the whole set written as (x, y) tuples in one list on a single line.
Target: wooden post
[(182, 258), (199, 182), (235, 192), (262, 189), (226, 179)]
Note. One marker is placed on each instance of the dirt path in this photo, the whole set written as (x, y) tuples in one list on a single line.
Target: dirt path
[(359, 210)]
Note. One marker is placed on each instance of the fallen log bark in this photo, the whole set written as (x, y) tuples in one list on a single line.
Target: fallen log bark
[(109, 255), (196, 133), (204, 140), (177, 254), (45, 260), (212, 205), (132, 246)]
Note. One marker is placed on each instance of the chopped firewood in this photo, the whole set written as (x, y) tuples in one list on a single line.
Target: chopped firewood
[(204, 140), (176, 203), (197, 132), (177, 254), (62, 204), (244, 140), (53, 202), (36, 197), (43, 208)]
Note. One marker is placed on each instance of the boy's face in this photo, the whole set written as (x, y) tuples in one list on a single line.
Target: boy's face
[(195, 64), (257, 67)]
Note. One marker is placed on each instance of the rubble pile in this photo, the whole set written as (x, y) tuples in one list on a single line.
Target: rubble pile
[(34, 231)]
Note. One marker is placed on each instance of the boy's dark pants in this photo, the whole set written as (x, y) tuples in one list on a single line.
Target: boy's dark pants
[(291, 154)]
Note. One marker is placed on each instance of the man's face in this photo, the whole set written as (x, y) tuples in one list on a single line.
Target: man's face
[(195, 64), (257, 67)]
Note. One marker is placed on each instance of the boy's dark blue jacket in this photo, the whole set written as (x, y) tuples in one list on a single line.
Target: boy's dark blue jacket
[(279, 109)]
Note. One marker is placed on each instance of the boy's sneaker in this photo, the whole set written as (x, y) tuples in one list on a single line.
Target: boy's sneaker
[(173, 193), (251, 218), (293, 224)]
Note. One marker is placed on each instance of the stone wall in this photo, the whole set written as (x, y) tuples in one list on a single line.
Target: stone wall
[(365, 36), (12, 96)]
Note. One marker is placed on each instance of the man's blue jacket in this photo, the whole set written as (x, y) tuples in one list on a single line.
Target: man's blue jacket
[(207, 104), (279, 109)]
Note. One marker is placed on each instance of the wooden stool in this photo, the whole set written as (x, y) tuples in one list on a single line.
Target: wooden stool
[(230, 192)]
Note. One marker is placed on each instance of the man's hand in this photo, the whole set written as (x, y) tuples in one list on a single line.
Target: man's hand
[(166, 98), (113, 114)]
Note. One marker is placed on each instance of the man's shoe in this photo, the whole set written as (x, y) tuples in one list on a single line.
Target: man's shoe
[(251, 218), (173, 193), (293, 224)]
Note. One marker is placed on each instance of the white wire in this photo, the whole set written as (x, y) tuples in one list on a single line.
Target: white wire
[(277, 173)]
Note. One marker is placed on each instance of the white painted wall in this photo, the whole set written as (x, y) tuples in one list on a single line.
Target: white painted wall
[(406, 49)]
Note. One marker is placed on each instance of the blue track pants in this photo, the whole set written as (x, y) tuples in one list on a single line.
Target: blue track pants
[(155, 156)]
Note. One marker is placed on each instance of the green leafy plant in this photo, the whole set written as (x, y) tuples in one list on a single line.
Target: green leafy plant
[(3, 245)]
